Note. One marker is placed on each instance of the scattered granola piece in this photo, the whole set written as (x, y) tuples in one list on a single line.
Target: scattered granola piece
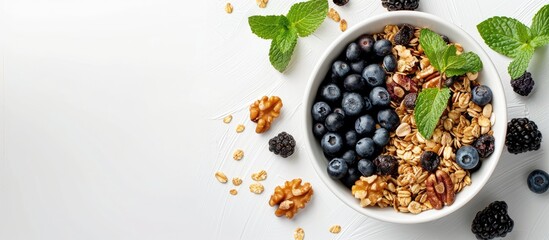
[(299, 234), (237, 181), (262, 3), (221, 177), (240, 128), (334, 15), (335, 229), (238, 154), (256, 188), (228, 119), (259, 176), (343, 25), (233, 192), (229, 10)]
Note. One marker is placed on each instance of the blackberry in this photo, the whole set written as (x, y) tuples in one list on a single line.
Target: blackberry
[(404, 35), (524, 84), (522, 136), (283, 144), (340, 2), (429, 161), (396, 5), (492, 222), (386, 165), (484, 145)]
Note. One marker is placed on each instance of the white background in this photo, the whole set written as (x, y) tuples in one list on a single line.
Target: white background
[(111, 123)]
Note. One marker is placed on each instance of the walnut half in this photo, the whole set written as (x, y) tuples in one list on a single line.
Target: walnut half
[(291, 197), (264, 111)]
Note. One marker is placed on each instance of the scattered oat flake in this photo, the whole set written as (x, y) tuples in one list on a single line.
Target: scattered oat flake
[(343, 25), (237, 181), (299, 234), (238, 154), (233, 192), (221, 177), (229, 9), (228, 119), (334, 15), (256, 188), (262, 3), (259, 176), (335, 229), (240, 128)]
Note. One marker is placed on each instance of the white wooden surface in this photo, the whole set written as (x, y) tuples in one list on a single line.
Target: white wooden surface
[(110, 123)]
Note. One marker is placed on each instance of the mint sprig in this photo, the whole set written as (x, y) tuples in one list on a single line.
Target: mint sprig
[(513, 39), (431, 102), (302, 20)]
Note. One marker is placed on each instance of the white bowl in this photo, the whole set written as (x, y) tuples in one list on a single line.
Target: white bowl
[(488, 76)]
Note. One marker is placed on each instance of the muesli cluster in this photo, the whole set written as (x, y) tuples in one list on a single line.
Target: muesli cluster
[(368, 132)]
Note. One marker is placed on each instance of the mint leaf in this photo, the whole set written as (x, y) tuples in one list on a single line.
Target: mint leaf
[(268, 27), (432, 43), (430, 105), (504, 35), (540, 22), (539, 41), (282, 48), (306, 17), (466, 62), (520, 64)]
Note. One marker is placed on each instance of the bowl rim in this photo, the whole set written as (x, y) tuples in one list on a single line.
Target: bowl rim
[(487, 63)]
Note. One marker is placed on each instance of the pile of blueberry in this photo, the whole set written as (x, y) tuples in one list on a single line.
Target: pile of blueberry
[(350, 102)]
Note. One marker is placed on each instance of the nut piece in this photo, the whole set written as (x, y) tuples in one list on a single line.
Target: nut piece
[(256, 188), (264, 111), (228, 118), (259, 176), (240, 128), (291, 197), (343, 25), (237, 181), (334, 15), (229, 9), (262, 3), (299, 234), (233, 192), (440, 189), (335, 229), (238, 154), (370, 189), (221, 177)]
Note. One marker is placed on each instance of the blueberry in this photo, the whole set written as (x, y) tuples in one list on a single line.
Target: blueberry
[(330, 93), (350, 157), (340, 69), (358, 67), (351, 137), (374, 75), (538, 181), (340, 111), (352, 176), (353, 52), (352, 104), (429, 161), (388, 119), (389, 63), (383, 47), (366, 43), (334, 122), (467, 157), (337, 168), (449, 82), (482, 95), (366, 167), (381, 137), (365, 125), (380, 97), (365, 147), (367, 104), (354, 83), (320, 111), (319, 130), (331, 143)]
